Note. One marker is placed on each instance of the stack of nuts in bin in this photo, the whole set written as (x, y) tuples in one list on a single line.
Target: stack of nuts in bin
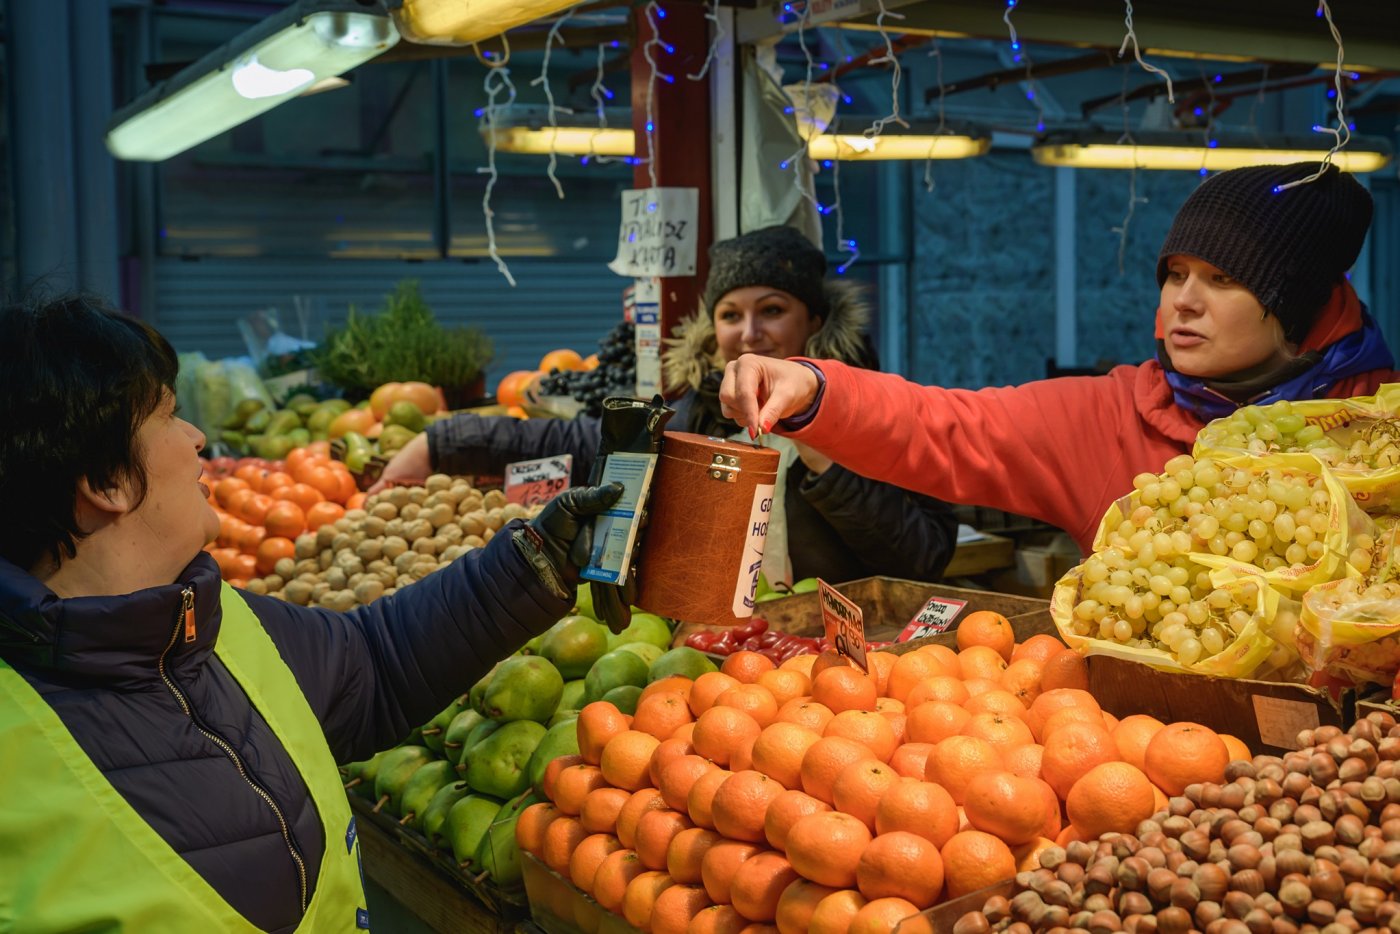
[(1305, 843)]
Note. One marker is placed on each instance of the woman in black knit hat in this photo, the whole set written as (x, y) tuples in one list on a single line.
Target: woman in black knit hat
[(1255, 308), (767, 294)]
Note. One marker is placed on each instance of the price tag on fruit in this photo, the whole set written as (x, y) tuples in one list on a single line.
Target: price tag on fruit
[(533, 483), (845, 627), (935, 617)]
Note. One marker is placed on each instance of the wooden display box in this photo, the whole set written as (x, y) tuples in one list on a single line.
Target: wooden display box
[(427, 882), (940, 918), (1376, 699), (1266, 715), (556, 907)]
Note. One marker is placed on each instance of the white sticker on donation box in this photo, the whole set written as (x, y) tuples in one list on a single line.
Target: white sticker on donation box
[(533, 483), (658, 233), (844, 624), (646, 318), (751, 562), (935, 617), (615, 531)]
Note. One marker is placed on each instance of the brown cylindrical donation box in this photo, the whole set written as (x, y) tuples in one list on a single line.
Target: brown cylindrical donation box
[(702, 548)]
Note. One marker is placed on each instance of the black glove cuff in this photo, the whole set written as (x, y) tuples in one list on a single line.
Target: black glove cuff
[(531, 547)]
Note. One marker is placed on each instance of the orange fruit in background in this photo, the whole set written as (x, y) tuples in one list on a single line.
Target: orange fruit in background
[(719, 729), (807, 713), (901, 865), (1073, 751), (685, 733), (648, 799), (1028, 854), (669, 751), (834, 914), (1066, 669), (1236, 747), (802, 663), (511, 389), (1132, 735), (655, 831), (741, 759), (717, 919), (721, 865), (973, 860), (797, 903), (243, 568), (706, 688), (978, 686), (677, 684), (322, 513), (1110, 721), (1052, 809), (911, 759), (824, 761), (882, 915), (981, 661), (561, 838), (778, 752), (828, 658), (953, 763), (753, 699), (888, 705), (1039, 647), (872, 730), (1022, 680), (989, 629), (551, 773), (859, 788), (935, 721), (826, 848), (285, 519), (250, 474), (995, 700), (1068, 835), (1002, 730), (785, 685), (1053, 699), (255, 508), (881, 664), (274, 480), (225, 488), (757, 888), (561, 359), (740, 804), (918, 807), (1024, 760), (626, 758), (1067, 715), (746, 667), (598, 723), (325, 480), (686, 851), (841, 689), (639, 899), (614, 873), (899, 723), (702, 796), (600, 808), (1005, 805), (272, 550), (574, 784), (584, 863), (679, 777), (304, 496), (676, 906), (1114, 796), (937, 688), (785, 810), (1184, 753), (913, 667), (532, 824), (661, 714)]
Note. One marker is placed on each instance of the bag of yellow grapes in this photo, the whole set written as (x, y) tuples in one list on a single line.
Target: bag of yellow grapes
[(1350, 628)]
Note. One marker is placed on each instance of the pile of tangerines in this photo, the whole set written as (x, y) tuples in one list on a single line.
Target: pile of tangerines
[(816, 797), (264, 505)]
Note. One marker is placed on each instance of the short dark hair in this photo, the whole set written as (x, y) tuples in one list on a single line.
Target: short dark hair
[(77, 379)]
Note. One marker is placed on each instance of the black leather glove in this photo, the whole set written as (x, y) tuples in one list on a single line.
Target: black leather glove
[(557, 542)]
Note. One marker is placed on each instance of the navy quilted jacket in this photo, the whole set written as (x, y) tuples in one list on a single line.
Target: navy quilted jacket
[(370, 675)]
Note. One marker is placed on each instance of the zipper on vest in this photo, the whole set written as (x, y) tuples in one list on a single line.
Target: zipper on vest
[(181, 622)]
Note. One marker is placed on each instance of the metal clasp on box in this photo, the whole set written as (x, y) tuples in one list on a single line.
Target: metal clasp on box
[(724, 467)]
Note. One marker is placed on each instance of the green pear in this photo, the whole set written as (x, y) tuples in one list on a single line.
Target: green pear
[(624, 698), (395, 770), (435, 816), (496, 766), (559, 740), (525, 687), (368, 771), (643, 650), (683, 661), (572, 698), (562, 715), (478, 691), (645, 627), (573, 644), (480, 732), (455, 736), (466, 824), (418, 792), (434, 732), (613, 670), (583, 603), (806, 585), (498, 855)]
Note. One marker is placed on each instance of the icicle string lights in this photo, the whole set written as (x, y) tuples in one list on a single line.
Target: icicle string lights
[(653, 12), (1023, 57), (1131, 37), (1342, 134), (937, 53), (1133, 199), (711, 14), (808, 192), (497, 81), (549, 96), (879, 125)]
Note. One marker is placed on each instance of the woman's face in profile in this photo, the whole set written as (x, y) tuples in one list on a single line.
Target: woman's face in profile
[(1212, 325)]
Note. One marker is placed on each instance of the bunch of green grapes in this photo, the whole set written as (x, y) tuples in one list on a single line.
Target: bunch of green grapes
[(1277, 428), (1143, 589)]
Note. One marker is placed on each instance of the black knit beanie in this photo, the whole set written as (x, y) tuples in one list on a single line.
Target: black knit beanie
[(1289, 248), (779, 257)]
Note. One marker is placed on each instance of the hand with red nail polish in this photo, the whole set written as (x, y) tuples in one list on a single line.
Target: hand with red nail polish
[(757, 391)]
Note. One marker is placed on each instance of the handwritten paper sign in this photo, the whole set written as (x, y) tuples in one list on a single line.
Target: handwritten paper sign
[(935, 617), (843, 622), (533, 483), (657, 236)]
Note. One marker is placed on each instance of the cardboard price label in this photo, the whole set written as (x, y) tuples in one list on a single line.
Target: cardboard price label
[(935, 617), (533, 483), (845, 627)]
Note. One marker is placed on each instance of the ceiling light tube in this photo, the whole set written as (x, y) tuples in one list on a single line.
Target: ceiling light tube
[(283, 56), (1182, 151), (889, 146), (565, 140), (462, 22)]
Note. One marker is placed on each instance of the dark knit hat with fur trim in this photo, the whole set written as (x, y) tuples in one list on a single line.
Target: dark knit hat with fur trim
[(1289, 248), (779, 257)]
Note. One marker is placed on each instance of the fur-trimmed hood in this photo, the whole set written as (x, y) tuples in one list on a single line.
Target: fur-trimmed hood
[(691, 351)]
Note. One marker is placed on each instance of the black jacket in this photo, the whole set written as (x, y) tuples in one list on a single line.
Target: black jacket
[(370, 676)]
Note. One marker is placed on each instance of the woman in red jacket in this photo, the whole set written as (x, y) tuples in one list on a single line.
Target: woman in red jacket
[(1255, 308)]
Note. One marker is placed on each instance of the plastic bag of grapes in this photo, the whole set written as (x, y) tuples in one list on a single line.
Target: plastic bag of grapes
[(1358, 438), (1226, 624), (1350, 628)]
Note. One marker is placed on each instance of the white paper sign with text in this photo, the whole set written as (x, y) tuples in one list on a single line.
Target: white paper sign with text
[(536, 482), (658, 233)]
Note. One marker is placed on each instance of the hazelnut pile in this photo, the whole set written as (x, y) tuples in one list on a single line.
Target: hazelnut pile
[(1306, 843)]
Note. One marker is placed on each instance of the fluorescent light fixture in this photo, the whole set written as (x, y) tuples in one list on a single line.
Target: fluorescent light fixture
[(1188, 151), (566, 140), (283, 56), (462, 22), (889, 145)]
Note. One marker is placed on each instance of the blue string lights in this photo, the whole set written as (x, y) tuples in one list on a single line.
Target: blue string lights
[(497, 81), (1342, 134)]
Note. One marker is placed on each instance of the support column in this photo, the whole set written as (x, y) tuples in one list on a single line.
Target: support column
[(1066, 303), (680, 111), (94, 170), (894, 275)]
